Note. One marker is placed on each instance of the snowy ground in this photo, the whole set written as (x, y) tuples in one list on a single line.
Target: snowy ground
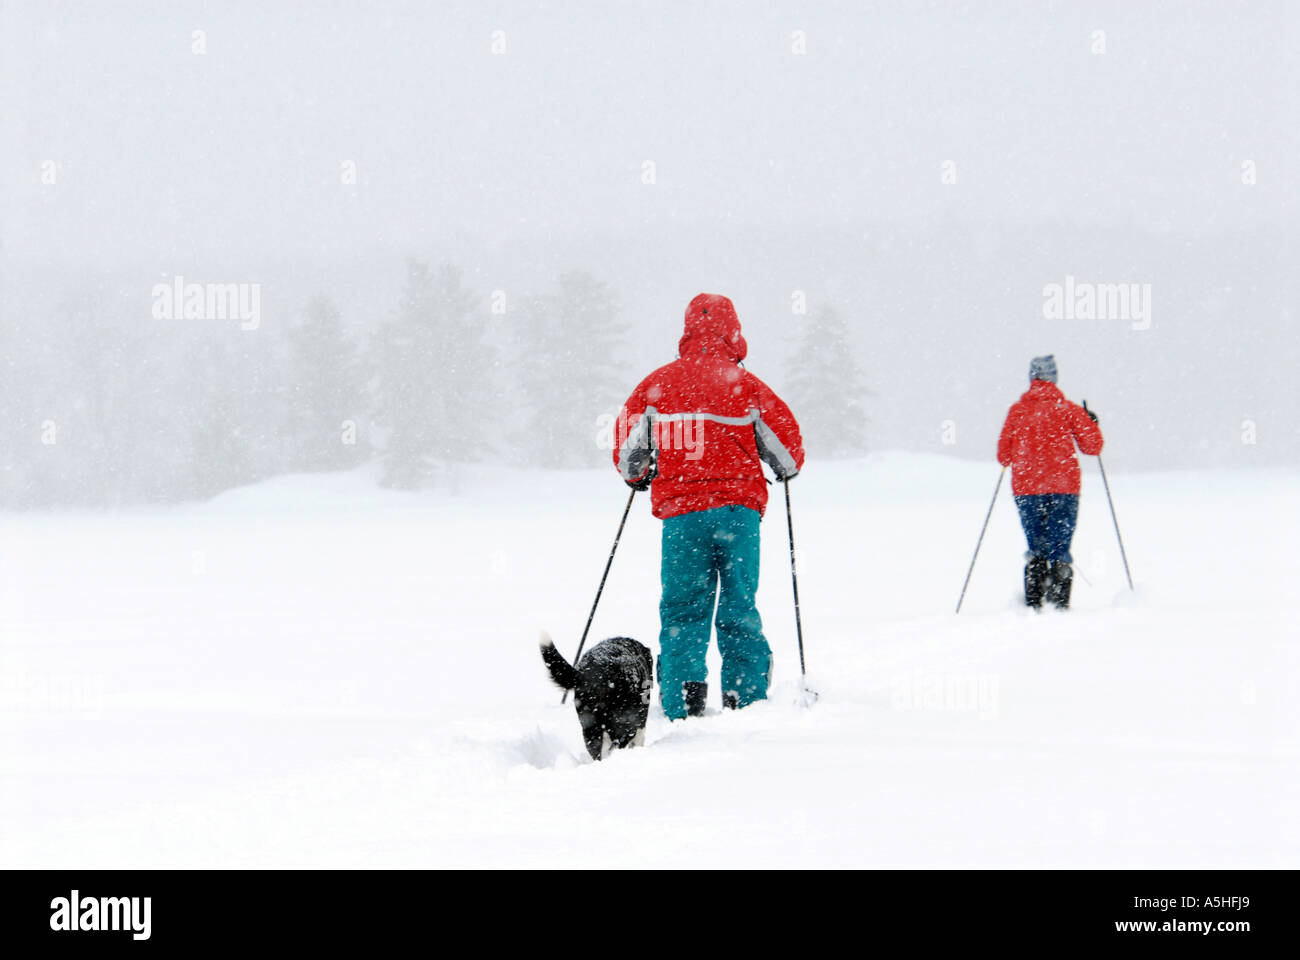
[(314, 672)]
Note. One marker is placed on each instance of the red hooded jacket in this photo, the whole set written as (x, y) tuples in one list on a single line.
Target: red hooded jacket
[(708, 422), (1038, 440)]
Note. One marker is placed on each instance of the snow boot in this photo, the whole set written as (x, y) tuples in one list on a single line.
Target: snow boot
[(1058, 589), (1036, 574), (730, 700), (696, 694)]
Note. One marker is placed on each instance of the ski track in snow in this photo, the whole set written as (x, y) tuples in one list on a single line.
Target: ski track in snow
[(316, 672)]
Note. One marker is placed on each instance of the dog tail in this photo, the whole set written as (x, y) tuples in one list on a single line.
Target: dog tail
[(563, 674)]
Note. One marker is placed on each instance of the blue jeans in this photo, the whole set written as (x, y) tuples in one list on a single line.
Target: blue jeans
[(1048, 519), (702, 551)]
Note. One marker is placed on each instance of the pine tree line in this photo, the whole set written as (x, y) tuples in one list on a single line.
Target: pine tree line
[(826, 387), (99, 409)]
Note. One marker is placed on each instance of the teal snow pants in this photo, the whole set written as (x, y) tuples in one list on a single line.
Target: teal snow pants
[(700, 551)]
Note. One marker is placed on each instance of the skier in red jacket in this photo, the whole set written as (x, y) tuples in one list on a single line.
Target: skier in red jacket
[(1037, 443), (695, 432)]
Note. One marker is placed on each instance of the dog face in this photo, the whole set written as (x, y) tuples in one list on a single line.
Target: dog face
[(611, 692)]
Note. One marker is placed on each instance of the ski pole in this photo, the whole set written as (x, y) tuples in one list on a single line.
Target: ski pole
[(809, 696), (981, 539), (794, 579), (601, 589), (1113, 518)]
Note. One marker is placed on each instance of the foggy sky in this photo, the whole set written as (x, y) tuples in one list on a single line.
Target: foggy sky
[(775, 171), (163, 151)]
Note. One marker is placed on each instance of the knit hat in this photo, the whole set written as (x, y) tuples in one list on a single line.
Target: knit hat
[(1043, 368)]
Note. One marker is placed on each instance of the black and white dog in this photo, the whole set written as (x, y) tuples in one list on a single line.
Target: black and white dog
[(611, 691)]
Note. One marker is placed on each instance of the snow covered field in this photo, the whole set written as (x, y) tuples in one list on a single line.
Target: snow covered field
[(316, 672)]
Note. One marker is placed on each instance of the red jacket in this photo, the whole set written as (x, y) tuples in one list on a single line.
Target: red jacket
[(707, 421), (1038, 440)]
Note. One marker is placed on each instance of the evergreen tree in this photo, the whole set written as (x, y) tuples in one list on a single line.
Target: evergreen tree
[(573, 344), (324, 396), (235, 410), (825, 388), (434, 369)]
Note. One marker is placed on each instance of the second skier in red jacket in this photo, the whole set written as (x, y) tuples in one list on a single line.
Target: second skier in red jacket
[(1038, 444)]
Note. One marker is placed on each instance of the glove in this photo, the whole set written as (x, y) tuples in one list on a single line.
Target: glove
[(645, 481), (1092, 415)]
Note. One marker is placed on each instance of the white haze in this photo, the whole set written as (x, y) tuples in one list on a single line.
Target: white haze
[(776, 174)]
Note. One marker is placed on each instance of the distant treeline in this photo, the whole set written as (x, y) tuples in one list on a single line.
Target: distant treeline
[(103, 403)]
